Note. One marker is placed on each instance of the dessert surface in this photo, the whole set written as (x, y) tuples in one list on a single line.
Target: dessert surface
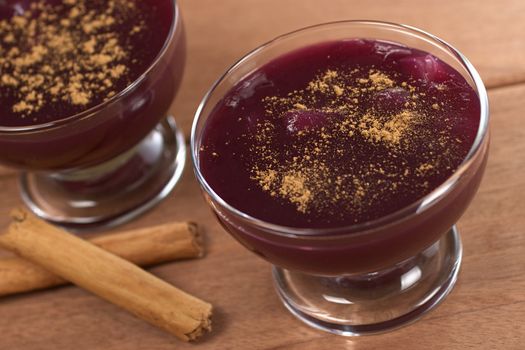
[(59, 58), (339, 133)]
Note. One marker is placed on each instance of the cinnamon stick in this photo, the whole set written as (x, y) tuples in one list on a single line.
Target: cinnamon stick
[(108, 276), (143, 247)]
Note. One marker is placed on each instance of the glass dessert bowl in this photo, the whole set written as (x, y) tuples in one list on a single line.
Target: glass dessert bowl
[(92, 133), (279, 145)]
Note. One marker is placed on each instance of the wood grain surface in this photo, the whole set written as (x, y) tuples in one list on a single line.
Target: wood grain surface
[(486, 310)]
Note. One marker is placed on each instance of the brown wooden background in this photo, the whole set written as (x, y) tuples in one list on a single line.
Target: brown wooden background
[(486, 310)]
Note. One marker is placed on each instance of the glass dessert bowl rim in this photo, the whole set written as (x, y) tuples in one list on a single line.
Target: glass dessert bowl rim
[(92, 111), (367, 227)]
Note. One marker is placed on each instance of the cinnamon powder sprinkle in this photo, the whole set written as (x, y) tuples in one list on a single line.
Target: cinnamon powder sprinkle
[(391, 131), (337, 103), (294, 188), (380, 80), (65, 53)]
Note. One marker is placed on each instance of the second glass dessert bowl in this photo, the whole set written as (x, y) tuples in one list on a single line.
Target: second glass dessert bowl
[(110, 162), (351, 279)]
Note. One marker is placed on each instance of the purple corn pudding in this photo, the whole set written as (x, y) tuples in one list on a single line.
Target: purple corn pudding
[(338, 134)]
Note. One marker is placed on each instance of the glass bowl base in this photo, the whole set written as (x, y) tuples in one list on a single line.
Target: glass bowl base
[(375, 302), (114, 192)]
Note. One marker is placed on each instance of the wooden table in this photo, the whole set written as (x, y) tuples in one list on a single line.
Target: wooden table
[(486, 310)]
